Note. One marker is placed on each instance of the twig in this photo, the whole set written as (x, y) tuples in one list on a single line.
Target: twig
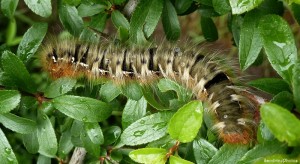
[(78, 156)]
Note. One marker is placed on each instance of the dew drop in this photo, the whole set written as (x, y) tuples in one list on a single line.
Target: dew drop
[(139, 133), (225, 116), (142, 122), (84, 119), (44, 116), (7, 150)]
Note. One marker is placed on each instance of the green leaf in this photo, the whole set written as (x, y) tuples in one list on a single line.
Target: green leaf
[(230, 153), (270, 85), (94, 132), (85, 10), (9, 100), (89, 145), (11, 31), (133, 111), (250, 40), (7, 155), (151, 99), (132, 91), (109, 91), (235, 25), (8, 7), (178, 160), (186, 122), (31, 41), (209, 29), (98, 22), (279, 44), (296, 11), (296, 85), (42, 8), (271, 7), (59, 87), (149, 155), (239, 7), (30, 142), (18, 124), (183, 94), (119, 20), (221, 6), (70, 19), (111, 134), (182, 6), (146, 129), (76, 131), (263, 133), (82, 108), (278, 119), (284, 99), (262, 150), (43, 160), (203, 150), (46, 135), (145, 18), (170, 21), (17, 72), (65, 144)]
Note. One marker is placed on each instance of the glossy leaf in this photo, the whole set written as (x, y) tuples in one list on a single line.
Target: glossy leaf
[(94, 132), (146, 129), (186, 122), (203, 150), (263, 133), (46, 136), (82, 108), (270, 85), (109, 91), (43, 160), (149, 95), (8, 7), (284, 99), (30, 142), (9, 99), (239, 7), (145, 18), (18, 124), (85, 10), (182, 6), (230, 153), (279, 119), (250, 40), (149, 155), (119, 20), (132, 90), (59, 87), (170, 21), (133, 111), (65, 144), (42, 8), (111, 134), (31, 41), (17, 72), (209, 29), (70, 19), (183, 94), (263, 150), (7, 155), (235, 23), (296, 11), (221, 6), (296, 85), (279, 44), (90, 147), (177, 160)]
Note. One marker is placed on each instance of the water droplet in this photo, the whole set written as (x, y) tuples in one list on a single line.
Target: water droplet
[(84, 119), (159, 126), (139, 133), (7, 150), (44, 116), (225, 116), (142, 121), (10, 159), (273, 62)]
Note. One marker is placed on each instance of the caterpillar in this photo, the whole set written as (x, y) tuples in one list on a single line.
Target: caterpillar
[(201, 72)]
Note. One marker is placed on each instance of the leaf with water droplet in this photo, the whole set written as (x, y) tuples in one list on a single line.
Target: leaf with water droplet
[(186, 122), (239, 7), (149, 155), (111, 134), (6, 153), (137, 133), (82, 108), (133, 111), (94, 132), (9, 99), (59, 87), (18, 124), (279, 44), (46, 136), (40, 7), (296, 85)]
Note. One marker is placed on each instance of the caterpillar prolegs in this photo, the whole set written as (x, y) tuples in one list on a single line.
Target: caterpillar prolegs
[(201, 72)]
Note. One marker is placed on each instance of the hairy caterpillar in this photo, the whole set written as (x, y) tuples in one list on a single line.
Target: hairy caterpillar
[(202, 73)]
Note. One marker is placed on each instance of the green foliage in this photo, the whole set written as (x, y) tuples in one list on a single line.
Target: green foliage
[(131, 123)]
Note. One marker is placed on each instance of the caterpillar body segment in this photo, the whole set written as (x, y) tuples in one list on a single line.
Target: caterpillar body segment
[(203, 73)]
